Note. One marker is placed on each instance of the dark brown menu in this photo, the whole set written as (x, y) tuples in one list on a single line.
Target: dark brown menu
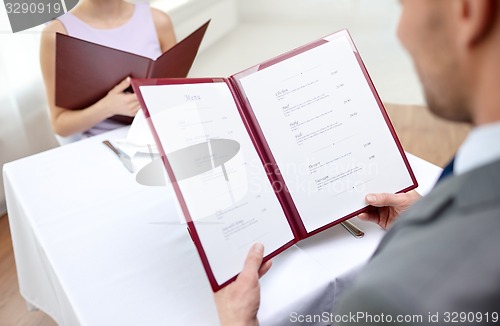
[(85, 71)]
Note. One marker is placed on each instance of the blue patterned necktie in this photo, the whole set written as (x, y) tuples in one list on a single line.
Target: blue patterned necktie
[(447, 171)]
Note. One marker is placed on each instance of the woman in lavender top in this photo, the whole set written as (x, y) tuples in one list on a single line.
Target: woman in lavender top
[(135, 28)]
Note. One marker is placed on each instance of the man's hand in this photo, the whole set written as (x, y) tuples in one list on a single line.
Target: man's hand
[(387, 207), (238, 303)]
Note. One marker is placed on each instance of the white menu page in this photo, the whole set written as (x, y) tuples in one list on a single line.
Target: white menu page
[(222, 180), (325, 131)]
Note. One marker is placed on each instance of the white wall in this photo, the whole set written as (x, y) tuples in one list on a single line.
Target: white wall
[(340, 12), (188, 17)]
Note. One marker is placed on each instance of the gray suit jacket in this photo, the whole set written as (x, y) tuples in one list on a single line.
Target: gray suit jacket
[(442, 256)]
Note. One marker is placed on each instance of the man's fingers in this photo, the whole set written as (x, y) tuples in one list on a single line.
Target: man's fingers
[(370, 217), (265, 268)]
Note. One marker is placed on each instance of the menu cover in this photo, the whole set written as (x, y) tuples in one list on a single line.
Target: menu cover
[(275, 153), (86, 71)]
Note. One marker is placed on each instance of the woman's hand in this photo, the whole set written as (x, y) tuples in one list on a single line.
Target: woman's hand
[(119, 102)]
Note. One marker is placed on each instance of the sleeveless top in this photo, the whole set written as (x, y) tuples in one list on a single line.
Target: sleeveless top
[(138, 36)]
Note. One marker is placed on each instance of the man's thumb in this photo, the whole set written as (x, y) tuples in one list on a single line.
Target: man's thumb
[(254, 258), (384, 199)]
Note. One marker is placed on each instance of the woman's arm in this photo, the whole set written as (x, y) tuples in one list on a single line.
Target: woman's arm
[(67, 122)]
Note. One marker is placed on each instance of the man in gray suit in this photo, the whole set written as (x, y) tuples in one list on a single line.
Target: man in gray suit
[(441, 259)]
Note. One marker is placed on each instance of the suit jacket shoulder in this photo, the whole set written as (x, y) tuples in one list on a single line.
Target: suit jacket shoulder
[(442, 256)]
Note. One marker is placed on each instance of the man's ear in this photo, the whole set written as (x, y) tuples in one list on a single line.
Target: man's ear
[(475, 19)]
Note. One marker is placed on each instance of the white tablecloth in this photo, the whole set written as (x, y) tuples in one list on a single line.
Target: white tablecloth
[(94, 247)]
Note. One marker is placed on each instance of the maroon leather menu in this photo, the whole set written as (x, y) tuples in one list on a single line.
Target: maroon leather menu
[(276, 153), (85, 71)]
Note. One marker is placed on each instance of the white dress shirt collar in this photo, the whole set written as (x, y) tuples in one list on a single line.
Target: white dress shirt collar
[(481, 147)]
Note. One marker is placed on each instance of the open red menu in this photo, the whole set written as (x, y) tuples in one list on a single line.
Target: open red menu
[(86, 71), (275, 153)]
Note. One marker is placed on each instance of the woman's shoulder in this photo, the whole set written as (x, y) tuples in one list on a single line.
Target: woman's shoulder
[(164, 29), (48, 38), (55, 26), (161, 19)]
